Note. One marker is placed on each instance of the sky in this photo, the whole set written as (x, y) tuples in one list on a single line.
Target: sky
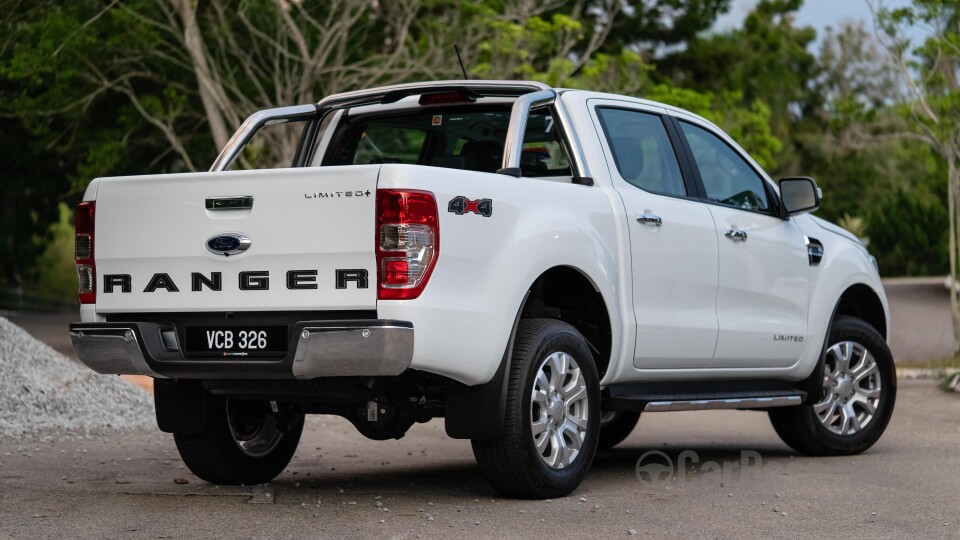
[(816, 13)]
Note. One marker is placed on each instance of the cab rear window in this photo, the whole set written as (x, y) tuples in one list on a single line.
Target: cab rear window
[(468, 138)]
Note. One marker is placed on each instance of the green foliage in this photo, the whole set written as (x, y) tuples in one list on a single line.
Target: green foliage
[(748, 126), (908, 235), (856, 225), (91, 88), (33, 185), (54, 273), (929, 104)]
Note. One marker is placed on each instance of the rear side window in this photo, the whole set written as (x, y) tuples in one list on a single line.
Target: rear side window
[(642, 151), (468, 138)]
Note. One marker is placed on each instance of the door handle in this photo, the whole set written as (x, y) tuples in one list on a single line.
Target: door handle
[(649, 219), (736, 235), (244, 202)]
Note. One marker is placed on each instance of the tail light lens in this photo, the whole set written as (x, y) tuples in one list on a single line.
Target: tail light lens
[(86, 268), (408, 242)]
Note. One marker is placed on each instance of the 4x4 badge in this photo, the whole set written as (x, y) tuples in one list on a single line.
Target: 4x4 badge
[(461, 205)]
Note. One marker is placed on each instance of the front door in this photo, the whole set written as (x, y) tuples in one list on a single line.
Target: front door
[(764, 268)]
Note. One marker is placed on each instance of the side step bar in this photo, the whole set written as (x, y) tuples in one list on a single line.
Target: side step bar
[(715, 404), (639, 399)]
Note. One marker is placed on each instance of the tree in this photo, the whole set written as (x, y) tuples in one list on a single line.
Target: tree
[(102, 87), (33, 185), (765, 64), (930, 101)]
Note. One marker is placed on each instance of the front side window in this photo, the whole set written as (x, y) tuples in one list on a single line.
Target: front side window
[(642, 151), (727, 178)]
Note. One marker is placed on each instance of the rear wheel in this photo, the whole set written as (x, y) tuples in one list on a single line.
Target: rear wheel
[(244, 442), (551, 426), (859, 391), (615, 426)]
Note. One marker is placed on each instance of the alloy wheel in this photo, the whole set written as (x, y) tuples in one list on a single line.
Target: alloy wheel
[(852, 389), (559, 410)]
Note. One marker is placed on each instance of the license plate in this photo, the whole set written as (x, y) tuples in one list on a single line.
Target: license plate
[(237, 341)]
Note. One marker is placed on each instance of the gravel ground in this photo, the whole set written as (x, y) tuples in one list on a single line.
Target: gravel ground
[(44, 394)]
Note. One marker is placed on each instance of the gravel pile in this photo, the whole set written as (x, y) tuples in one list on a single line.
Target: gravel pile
[(42, 391)]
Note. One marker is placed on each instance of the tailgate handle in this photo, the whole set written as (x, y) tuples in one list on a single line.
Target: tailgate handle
[(244, 202)]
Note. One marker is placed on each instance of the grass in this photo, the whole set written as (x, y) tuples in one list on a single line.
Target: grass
[(939, 363), (947, 370), (950, 381)]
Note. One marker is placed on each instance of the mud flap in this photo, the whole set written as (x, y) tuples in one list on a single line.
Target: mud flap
[(476, 412), (813, 385), (181, 406)]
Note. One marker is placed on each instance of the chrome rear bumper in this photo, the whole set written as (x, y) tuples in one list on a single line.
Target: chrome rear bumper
[(329, 351), (110, 350), (316, 349)]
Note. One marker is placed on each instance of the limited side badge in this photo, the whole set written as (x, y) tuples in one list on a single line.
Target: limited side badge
[(461, 205)]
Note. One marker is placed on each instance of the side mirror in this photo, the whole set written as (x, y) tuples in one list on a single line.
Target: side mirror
[(798, 195)]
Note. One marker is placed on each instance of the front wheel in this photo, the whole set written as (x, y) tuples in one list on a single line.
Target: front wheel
[(552, 419), (244, 442), (859, 391)]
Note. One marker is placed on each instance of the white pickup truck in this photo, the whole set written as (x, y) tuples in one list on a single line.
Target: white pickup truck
[(536, 266)]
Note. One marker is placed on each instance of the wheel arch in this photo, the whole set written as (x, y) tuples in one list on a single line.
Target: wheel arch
[(857, 300), (861, 301), (568, 294)]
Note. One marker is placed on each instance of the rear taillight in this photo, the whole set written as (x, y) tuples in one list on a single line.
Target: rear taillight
[(86, 268), (408, 242)]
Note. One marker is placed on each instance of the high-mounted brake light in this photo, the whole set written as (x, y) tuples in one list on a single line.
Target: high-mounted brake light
[(445, 98), (407, 242), (86, 267)]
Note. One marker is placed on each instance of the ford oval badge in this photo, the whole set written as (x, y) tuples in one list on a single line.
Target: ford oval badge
[(228, 244)]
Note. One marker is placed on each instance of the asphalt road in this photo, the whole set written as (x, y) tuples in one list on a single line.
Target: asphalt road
[(426, 485), (736, 479)]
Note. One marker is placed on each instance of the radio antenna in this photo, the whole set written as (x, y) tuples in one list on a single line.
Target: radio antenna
[(463, 69)]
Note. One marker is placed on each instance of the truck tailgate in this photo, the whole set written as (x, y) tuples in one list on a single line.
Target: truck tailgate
[(310, 231)]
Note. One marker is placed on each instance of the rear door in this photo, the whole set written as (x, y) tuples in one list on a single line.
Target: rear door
[(764, 268), (672, 239)]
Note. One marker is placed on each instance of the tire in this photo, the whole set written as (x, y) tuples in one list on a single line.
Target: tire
[(512, 463), (248, 445), (839, 423), (616, 428)]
